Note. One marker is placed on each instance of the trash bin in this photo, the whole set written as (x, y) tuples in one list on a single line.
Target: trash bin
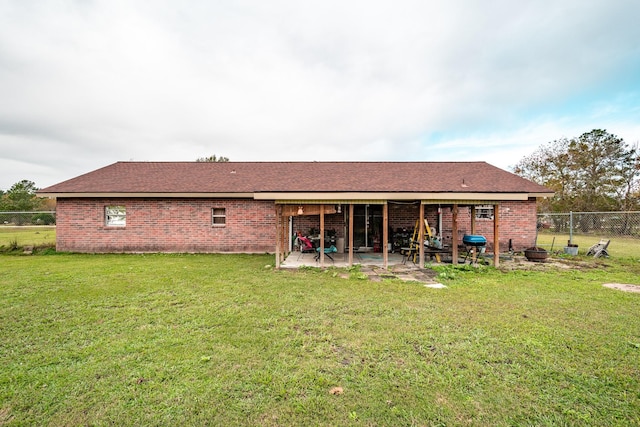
[(340, 244)]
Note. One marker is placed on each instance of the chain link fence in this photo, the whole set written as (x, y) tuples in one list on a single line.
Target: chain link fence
[(568, 231), (612, 224), (27, 218)]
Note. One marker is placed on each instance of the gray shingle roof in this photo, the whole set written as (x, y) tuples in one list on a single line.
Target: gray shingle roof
[(256, 177)]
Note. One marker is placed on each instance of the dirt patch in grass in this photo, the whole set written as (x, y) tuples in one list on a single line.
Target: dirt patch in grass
[(402, 272), (623, 287), (522, 263), (412, 273)]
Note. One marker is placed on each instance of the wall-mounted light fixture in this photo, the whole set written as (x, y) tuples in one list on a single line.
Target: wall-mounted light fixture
[(300, 210), (339, 209)]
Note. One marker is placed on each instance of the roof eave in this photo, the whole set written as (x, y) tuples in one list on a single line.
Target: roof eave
[(319, 196), (544, 194), (355, 195), (93, 195)]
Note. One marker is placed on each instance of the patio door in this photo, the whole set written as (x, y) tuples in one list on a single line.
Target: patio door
[(367, 226)]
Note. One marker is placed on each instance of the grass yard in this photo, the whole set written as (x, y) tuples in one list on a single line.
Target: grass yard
[(223, 340), (27, 236), (618, 247)]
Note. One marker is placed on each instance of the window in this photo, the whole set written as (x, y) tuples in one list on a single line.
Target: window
[(115, 216), (218, 217), (484, 212)]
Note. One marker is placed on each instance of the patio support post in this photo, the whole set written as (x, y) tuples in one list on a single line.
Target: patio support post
[(283, 245), (321, 235), (454, 234), (278, 233), (421, 235), (285, 235), (496, 235), (473, 219), (385, 235), (474, 250), (350, 234)]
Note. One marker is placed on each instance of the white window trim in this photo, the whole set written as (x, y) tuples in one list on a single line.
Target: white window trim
[(115, 216), (214, 216), (485, 212)]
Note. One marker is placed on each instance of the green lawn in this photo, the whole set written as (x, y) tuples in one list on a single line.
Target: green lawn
[(618, 247), (27, 236), (224, 340)]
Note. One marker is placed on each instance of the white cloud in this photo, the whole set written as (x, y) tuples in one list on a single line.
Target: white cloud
[(88, 83)]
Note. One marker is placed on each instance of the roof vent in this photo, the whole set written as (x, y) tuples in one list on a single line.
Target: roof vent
[(233, 171), (464, 185)]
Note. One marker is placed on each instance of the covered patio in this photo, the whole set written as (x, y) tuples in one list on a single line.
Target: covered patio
[(425, 221), (297, 259)]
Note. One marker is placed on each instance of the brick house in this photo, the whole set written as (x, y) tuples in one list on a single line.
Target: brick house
[(256, 207)]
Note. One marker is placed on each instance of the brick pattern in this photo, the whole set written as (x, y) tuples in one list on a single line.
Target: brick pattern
[(331, 222), (403, 216), (171, 225), (184, 225), (517, 222)]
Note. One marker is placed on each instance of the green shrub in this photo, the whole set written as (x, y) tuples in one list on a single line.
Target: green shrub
[(43, 219)]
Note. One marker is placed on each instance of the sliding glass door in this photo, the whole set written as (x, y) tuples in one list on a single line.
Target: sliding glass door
[(367, 226)]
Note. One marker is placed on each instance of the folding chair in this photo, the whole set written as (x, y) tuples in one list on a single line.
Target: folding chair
[(599, 249), (305, 246), (411, 252), (327, 252)]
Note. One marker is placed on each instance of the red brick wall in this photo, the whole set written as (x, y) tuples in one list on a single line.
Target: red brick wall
[(184, 225), (400, 216), (331, 222), (517, 221), (171, 225), (403, 216)]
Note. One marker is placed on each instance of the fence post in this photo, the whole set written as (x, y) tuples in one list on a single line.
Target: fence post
[(570, 227)]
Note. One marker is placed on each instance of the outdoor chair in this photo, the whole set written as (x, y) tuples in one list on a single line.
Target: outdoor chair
[(411, 252), (327, 252), (306, 246), (599, 249)]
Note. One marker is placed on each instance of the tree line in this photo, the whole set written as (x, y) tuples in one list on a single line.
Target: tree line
[(21, 197), (597, 171)]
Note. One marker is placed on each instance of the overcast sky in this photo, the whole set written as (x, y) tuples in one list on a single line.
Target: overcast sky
[(87, 83)]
